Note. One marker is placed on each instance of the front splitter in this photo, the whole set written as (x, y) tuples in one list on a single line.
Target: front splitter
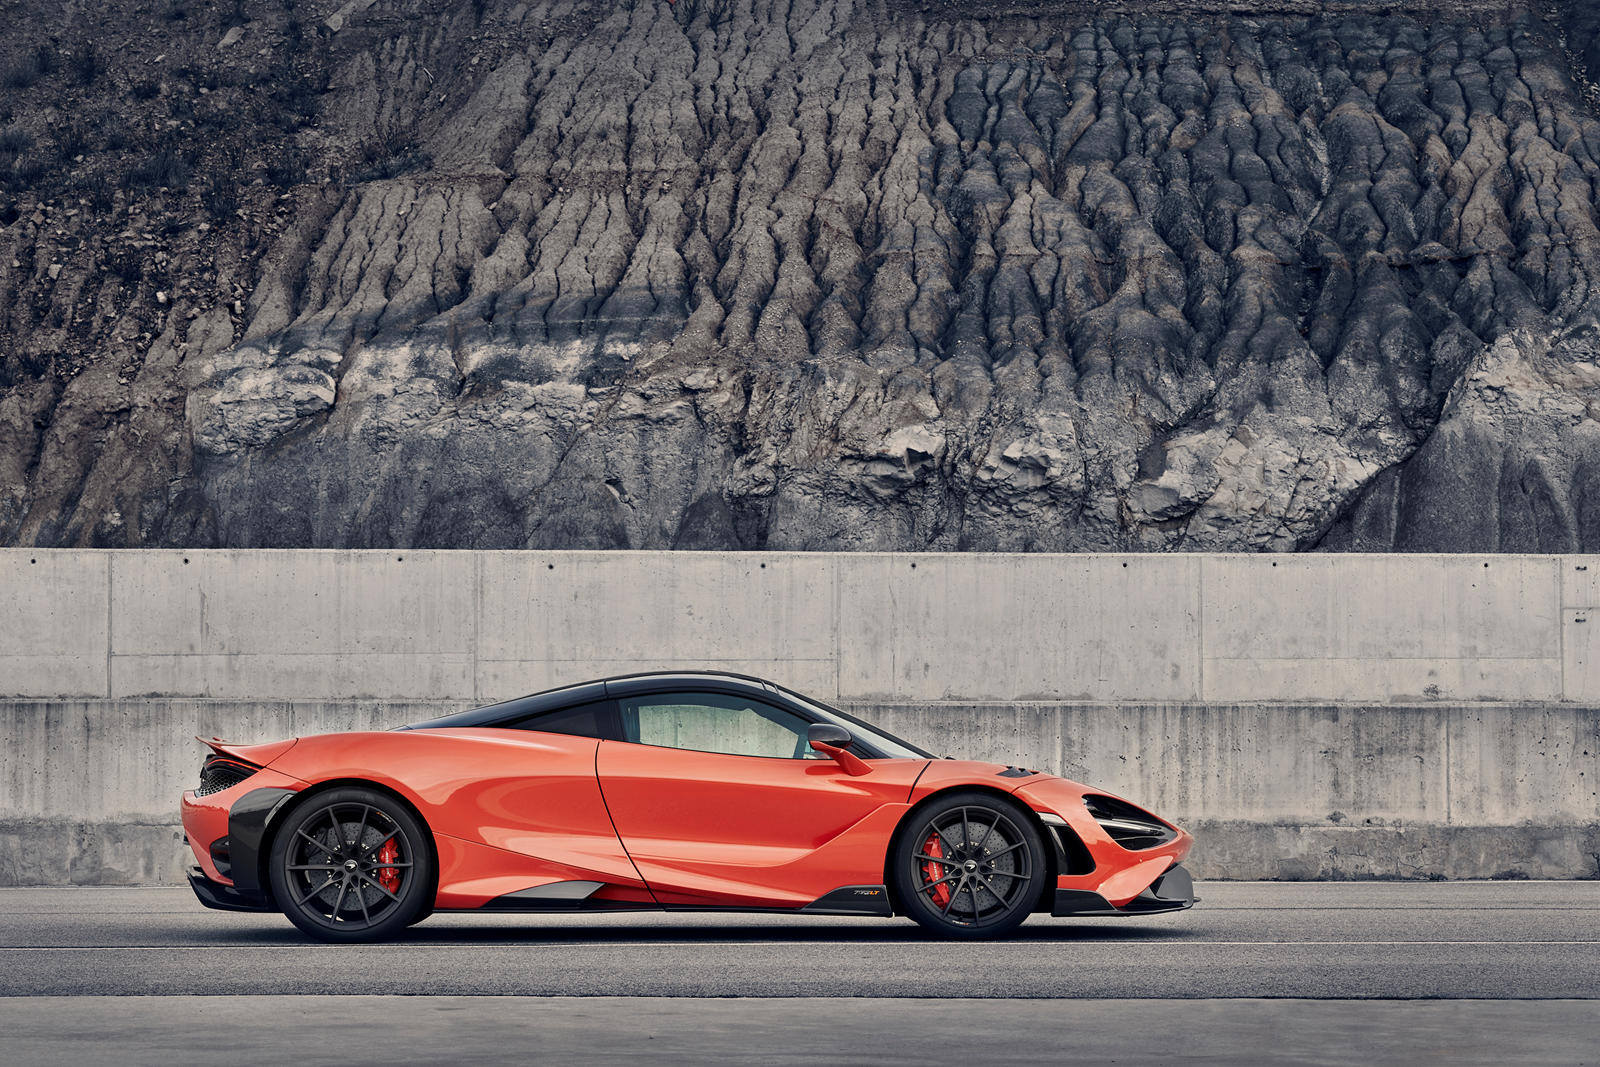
[(1173, 891)]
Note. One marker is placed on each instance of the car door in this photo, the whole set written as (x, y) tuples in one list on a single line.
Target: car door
[(719, 800), (527, 789)]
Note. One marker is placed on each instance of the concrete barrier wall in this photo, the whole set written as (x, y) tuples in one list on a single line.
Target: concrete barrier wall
[(234, 625), (1271, 791), (1314, 716)]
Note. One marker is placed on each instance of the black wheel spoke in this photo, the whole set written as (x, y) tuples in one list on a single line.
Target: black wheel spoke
[(966, 831), (361, 895), (344, 887), (951, 902), (996, 855), (380, 887), (386, 839), (985, 838), (389, 866), (361, 831), (937, 859), (997, 894), (317, 843), (331, 879), (1008, 874), (312, 867)]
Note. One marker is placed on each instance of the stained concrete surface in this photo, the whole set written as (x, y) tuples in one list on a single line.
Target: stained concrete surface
[(976, 627)]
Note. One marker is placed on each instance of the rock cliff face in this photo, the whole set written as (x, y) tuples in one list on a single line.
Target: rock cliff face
[(819, 274)]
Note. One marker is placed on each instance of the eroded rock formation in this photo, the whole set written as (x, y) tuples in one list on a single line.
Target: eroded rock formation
[(834, 275)]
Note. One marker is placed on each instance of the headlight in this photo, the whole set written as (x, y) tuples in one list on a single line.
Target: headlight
[(1130, 827)]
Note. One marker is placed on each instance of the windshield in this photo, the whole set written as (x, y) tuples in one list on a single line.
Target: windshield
[(887, 743)]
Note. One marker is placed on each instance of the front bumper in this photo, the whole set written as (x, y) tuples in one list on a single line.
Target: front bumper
[(226, 897), (1110, 879), (1173, 891)]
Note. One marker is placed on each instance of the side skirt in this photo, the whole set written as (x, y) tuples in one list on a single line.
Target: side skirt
[(572, 896), (852, 900), (576, 898)]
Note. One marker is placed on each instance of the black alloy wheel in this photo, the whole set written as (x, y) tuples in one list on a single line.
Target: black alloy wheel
[(970, 866), (352, 865)]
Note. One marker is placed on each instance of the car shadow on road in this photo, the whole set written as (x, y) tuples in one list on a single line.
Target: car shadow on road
[(799, 933)]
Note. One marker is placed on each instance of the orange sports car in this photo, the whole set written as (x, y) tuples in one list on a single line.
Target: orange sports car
[(680, 791)]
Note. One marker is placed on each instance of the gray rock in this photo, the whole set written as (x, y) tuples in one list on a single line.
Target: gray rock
[(886, 276)]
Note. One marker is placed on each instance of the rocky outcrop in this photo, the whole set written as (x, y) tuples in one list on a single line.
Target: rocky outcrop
[(1514, 464), (849, 276)]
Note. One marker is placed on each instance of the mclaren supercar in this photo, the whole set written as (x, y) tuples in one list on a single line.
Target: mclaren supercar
[(681, 791)]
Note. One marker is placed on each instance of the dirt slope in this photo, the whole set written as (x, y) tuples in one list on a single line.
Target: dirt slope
[(819, 274)]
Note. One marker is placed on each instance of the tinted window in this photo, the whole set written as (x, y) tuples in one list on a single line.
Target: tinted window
[(586, 720), (714, 722), (886, 743)]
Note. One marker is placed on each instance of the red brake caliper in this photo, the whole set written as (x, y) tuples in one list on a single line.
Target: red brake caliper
[(933, 872), (389, 877)]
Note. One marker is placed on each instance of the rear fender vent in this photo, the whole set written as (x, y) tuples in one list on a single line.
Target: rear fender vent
[(222, 856), (221, 772)]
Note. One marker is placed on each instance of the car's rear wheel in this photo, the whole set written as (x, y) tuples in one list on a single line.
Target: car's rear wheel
[(351, 865), (970, 865)]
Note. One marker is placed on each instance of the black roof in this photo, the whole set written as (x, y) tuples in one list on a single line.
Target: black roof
[(599, 689)]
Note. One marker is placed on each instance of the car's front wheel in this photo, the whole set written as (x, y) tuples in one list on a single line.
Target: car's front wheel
[(351, 865), (970, 865)]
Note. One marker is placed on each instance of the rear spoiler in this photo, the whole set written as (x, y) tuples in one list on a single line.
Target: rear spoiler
[(259, 755)]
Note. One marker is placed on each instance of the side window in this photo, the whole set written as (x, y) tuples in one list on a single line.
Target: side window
[(714, 722), (585, 720)]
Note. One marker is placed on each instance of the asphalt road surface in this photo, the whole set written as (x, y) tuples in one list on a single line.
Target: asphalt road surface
[(1463, 939), (371, 1031), (1308, 972)]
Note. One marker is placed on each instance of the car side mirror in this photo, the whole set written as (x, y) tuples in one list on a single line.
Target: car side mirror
[(833, 740)]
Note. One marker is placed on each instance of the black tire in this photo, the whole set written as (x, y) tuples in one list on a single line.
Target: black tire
[(969, 865), (351, 865)]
